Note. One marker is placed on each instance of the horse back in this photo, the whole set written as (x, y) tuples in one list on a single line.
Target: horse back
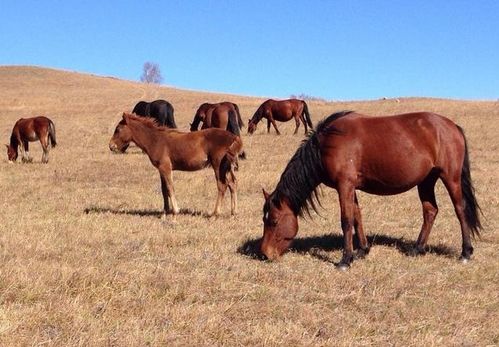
[(389, 154)]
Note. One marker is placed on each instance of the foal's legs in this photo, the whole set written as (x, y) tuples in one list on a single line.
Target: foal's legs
[(346, 193), (426, 191), (453, 185), (232, 181), (167, 189), (221, 187)]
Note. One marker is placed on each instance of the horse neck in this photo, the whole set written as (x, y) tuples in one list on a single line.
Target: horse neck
[(14, 141), (142, 135), (257, 116), (299, 181)]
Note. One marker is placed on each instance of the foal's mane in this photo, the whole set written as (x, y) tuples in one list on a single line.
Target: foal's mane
[(149, 122), (300, 180)]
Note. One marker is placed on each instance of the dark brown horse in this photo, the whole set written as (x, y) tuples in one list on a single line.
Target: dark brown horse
[(224, 115), (281, 111), (378, 155), (170, 150), (217, 116), (28, 130), (161, 110)]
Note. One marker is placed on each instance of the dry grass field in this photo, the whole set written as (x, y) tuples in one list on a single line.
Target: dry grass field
[(85, 259)]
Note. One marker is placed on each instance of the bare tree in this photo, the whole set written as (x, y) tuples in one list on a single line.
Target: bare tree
[(151, 73)]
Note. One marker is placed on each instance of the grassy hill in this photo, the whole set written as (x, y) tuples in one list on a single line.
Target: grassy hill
[(86, 260)]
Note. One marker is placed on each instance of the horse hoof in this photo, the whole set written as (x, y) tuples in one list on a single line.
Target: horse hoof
[(343, 267), (464, 260)]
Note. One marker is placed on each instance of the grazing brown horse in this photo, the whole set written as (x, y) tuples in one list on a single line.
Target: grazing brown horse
[(28, 130), (378, 155), (281, 111), (170, 150), (224, 115), (216, 116)]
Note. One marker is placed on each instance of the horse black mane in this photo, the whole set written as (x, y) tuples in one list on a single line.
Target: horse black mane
[(300, 180)]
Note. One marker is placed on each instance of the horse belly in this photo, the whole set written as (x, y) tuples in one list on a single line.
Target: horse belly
[(30, 135), (191, 164), (394, 177)]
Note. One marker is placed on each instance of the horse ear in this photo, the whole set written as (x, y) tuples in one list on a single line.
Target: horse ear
[(265, 194)]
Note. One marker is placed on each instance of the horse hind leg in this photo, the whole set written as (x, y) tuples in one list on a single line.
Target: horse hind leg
[(45, 147), (232, 182), (453, 186), (221, 169), (297, 125), (426, 192)]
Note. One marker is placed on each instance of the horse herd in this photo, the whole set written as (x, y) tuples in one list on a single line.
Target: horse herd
[(346, 151)]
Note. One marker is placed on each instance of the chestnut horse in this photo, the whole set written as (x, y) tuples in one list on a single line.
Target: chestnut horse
[(28, 130), (281, 111), (216, 116), (224, 115), (170, 150), (378, 155)]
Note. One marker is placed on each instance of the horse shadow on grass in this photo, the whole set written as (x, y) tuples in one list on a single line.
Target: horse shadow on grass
[(315, 246), (142, 213)]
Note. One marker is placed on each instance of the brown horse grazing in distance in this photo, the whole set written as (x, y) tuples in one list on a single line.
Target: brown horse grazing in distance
[(216, 116), (28, 130), (378, 155), (170, 150), (281, 111), (224, 115)]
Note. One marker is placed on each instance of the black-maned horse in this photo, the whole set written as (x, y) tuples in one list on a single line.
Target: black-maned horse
[(349, 151)]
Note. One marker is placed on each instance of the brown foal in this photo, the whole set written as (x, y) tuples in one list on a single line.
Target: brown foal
[(170, 150)]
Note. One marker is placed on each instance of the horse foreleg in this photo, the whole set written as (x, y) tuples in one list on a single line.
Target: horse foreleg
[(359, 231), (25, 146), (268, 126), (346, 194), (164, 191), (426, 192), (168, 190)]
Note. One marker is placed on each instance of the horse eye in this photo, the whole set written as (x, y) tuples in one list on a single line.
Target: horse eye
[(273, 222)]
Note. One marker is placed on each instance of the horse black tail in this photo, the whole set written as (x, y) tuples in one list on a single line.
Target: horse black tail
[(195, 123), (233, 127), (233, 124), (307, 115), (170, 119), (239, 119), (53, 141), (472, 210)]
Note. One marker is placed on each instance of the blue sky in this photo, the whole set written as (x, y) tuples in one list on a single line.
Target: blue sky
[(339, 50)]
